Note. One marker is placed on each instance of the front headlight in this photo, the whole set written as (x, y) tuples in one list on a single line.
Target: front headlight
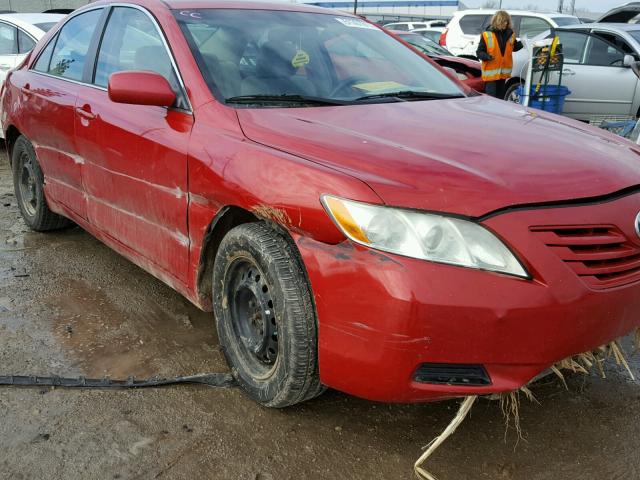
[(422, 235)]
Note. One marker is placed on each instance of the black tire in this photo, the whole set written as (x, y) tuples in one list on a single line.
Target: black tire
[(260, 288), (28, 183), (511, 95)]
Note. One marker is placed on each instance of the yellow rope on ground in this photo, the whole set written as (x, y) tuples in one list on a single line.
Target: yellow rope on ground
[(465, 406)]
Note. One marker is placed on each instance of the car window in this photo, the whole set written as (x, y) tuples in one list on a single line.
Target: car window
[(532, 26), (70, 51), (45, 27), (275, 53), (8, 43), (131, 41), (399, 26), (616, 40), (603, 54), (42, 64), (473, 24), (563, 21), (573, 45), (25, 42)]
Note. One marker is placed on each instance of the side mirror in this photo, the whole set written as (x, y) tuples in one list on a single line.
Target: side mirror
[(629, 60), (141, 88)]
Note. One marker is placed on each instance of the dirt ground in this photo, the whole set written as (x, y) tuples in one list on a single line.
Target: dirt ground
[(70, 306)]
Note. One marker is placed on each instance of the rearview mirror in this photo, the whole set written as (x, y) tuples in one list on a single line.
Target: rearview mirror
[(629, 60), (141, 88)]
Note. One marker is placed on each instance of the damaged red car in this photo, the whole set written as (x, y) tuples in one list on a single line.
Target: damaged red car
[(354, 217)]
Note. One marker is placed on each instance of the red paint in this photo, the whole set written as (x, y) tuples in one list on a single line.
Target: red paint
[(149, 181)]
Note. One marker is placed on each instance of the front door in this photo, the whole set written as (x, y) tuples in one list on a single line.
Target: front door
[(135, 171), (594, 71)]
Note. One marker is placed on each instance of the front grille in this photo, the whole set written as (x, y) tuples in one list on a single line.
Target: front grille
[(601, 255)]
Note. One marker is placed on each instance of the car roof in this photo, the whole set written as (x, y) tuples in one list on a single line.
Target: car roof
[(251, 5), (491, 11), (623, 27), (28, 21), (429, 29), (33, 18)]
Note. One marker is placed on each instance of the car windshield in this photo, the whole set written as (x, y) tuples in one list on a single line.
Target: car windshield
[(428, 47), (563, 21), (45, 27), (264, 57)]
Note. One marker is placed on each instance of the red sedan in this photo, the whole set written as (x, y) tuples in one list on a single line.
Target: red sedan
[(354, 217)]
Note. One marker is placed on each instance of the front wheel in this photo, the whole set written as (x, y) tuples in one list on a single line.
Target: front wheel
[(265, 316), (28, 182), (512, 94)]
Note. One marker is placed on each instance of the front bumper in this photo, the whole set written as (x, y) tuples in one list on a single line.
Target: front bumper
[(381, 316)]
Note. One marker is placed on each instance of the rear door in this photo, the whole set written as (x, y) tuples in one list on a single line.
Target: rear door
[(592, 62), (49, 92), (135, 171)]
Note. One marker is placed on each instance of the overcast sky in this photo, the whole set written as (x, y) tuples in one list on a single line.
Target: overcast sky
[(593, 5)]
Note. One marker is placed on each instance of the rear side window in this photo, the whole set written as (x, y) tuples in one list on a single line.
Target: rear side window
[(70, 51), (474, 24), (532, 26), (8, 42), (42, 65), (131, 41), (25, 42)]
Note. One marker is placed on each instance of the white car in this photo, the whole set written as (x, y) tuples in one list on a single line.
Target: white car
[(433, 33), (19, 33), (410, 26), (600, 61), (463, 32)]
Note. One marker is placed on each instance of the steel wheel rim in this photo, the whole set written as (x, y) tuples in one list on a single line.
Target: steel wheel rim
[(253, 318), (28, 185), (514, 97)]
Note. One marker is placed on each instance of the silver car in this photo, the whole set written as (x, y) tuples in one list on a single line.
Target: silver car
[(598, 70)]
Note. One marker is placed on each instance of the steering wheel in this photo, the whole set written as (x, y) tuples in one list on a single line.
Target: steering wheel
[(347, 82)]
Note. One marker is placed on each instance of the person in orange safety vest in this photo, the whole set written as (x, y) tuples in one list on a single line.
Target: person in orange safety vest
[(495, 51)]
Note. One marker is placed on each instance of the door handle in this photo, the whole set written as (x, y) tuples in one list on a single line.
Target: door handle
[(5, 67), (86, 114), (26, 90), (568, 72)]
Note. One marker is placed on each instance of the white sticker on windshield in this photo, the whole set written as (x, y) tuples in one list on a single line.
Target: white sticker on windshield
[(355, 23)]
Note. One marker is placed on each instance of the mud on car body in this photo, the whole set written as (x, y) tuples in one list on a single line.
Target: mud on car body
[(302, 174)]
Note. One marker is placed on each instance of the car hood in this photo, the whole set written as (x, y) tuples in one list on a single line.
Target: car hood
[(466, 156)]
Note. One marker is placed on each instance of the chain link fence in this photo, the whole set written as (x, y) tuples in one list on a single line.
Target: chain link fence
[(27, 6)]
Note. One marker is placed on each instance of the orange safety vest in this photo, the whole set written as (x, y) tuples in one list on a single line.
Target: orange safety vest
[(501, 66)]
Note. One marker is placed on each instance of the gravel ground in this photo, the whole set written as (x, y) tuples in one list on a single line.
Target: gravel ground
[(70, 306)]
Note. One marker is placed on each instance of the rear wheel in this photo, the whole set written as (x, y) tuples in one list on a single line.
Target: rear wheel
[(512, 95), (28, 182), (265, 316)]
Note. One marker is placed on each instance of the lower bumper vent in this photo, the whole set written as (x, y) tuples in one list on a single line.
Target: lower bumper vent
[(447, 374)]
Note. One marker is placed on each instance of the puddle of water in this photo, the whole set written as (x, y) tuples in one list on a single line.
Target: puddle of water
[(143, 340)]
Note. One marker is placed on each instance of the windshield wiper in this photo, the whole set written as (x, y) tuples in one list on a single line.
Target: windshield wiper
[(284, 98), (410, 95)]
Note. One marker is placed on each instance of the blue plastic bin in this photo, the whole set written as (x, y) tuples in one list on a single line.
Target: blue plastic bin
[(550, 98)]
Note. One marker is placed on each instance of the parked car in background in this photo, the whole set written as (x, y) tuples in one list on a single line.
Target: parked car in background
[(410, 26), (463, 32), (626, 13), (597, 69), (466, 70), (432, 33), (19, 33)]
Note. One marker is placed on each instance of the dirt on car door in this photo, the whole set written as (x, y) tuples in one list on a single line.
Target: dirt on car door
[(136, 155)]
